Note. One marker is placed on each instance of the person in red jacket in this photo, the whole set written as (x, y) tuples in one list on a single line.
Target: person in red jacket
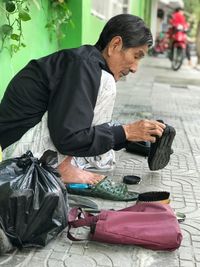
[(178, 17)]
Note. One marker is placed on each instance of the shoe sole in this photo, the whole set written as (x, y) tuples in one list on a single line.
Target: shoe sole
[(160, 151)]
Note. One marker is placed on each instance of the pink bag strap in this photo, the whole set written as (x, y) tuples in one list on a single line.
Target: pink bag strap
[(75, 220)]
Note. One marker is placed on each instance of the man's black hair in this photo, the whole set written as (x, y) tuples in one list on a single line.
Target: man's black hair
[(132, 30)]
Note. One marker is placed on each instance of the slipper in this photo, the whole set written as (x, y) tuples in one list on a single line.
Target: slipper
[(106, 189), (139, 148), (160, 151)]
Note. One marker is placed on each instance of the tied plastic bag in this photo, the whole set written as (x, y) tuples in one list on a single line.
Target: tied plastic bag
[(33, 200)]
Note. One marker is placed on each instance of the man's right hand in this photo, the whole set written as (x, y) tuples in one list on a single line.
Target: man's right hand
[(143, 130)]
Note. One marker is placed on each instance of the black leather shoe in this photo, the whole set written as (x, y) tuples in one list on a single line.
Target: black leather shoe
[(160, 151), (139, 148)]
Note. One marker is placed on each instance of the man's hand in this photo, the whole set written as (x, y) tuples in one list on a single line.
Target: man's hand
[(143, 130)]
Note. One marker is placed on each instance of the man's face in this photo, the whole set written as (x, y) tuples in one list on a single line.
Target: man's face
[(123, 61)]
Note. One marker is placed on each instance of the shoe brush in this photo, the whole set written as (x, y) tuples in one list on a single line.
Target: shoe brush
[(154, 196)]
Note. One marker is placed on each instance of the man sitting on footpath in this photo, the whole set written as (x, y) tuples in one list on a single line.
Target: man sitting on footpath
[(64, 101)]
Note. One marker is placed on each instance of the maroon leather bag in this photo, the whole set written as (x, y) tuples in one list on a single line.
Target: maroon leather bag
[(150, 225)]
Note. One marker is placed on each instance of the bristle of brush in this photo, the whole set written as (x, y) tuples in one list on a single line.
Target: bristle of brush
[(153, 196)]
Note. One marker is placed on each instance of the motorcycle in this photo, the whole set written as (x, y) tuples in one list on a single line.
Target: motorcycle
[(178, 39), (173, 42)]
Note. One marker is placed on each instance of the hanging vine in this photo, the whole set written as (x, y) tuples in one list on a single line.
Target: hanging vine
[(59, 16), (18, 11), (15, 12)]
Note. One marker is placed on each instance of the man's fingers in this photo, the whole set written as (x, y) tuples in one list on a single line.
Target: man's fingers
[(159, 124), (156, 132), (144, 130), (152, 139), (156, 128)]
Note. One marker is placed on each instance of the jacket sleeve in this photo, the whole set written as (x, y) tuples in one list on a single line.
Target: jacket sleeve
[(70, 112)]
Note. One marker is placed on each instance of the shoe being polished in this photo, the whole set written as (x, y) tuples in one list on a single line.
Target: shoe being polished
[(160, 151), (139, 148)]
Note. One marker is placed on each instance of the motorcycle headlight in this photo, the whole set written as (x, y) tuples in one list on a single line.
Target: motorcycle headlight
[(180, 27)]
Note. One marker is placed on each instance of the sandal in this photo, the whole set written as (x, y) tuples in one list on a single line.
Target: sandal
[(106, 189), (160, 151)]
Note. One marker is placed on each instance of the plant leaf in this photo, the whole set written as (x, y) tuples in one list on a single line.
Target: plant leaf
[(10, 6), (14, 48), (6, 29), (15, 37), (24, 16)]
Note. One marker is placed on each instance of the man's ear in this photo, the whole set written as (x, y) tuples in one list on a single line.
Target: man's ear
[(115, 45)]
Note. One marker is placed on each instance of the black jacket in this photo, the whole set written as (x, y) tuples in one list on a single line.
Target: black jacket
[(66, 85)]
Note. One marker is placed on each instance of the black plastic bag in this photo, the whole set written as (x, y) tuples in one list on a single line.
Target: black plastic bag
[(33, 200)]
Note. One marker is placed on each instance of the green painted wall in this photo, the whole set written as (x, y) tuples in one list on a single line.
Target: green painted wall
[(142, 4), (36, 38), (135, 7), (74, 30), (142, 8), (91, 25), (85, 28), (147, 12)]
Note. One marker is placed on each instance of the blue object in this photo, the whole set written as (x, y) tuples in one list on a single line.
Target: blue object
[(79, 186)]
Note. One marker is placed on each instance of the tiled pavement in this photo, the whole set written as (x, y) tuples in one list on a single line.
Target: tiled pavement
[(154, 92)]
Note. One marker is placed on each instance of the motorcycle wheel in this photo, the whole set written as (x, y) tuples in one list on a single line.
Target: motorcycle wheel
[(177, 57)]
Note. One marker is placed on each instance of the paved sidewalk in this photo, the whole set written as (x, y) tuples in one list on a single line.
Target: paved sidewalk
[(154, 92)]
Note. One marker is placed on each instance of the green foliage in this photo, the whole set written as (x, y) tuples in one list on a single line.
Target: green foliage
[(192, 12), (11, 34), (59, 16), (193, 7), (17, 12)]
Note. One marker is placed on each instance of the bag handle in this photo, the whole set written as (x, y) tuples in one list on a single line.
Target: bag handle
[(87, 220)]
